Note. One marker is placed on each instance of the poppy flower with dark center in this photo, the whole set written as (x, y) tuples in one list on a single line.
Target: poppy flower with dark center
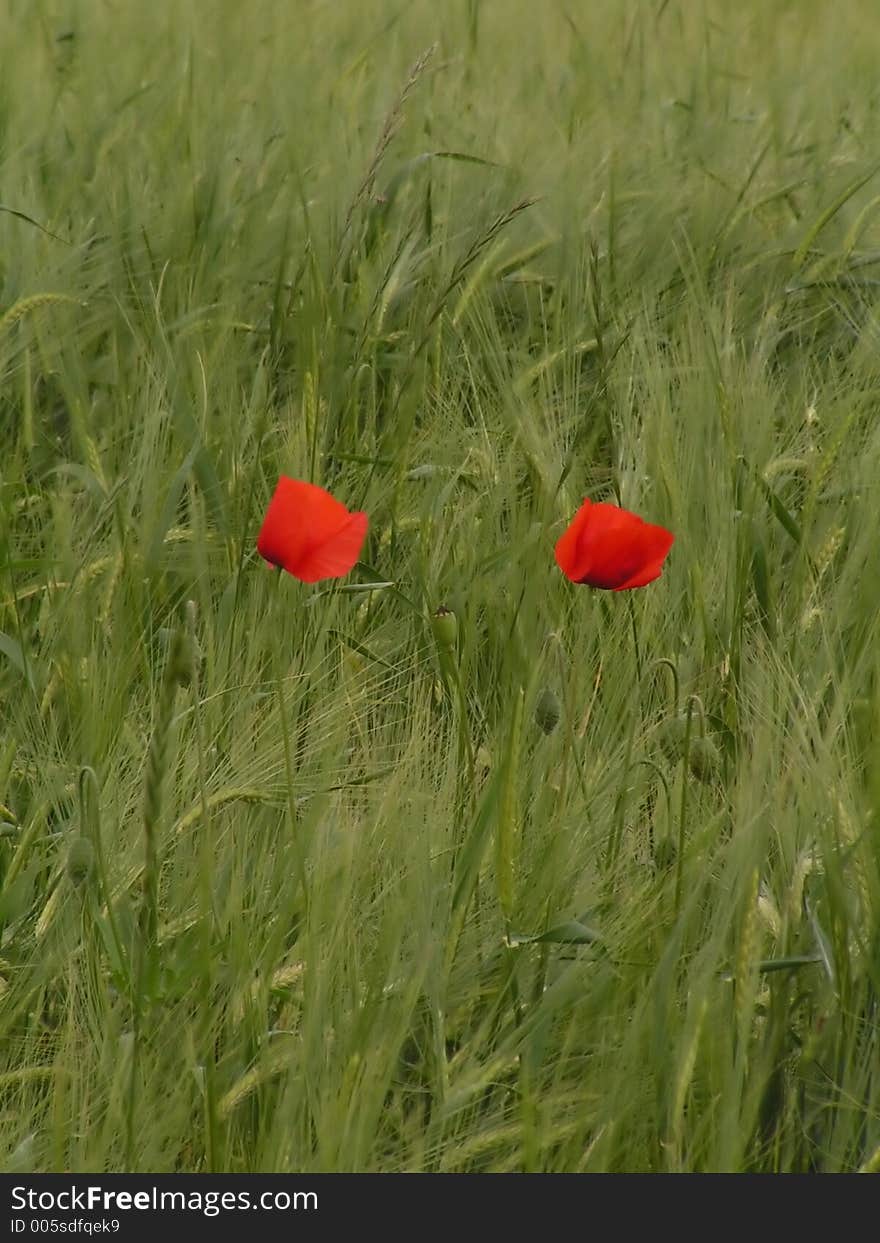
[(609, 547), (309, 533)]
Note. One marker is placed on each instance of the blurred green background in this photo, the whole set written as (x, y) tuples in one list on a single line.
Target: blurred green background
[(284, 883)]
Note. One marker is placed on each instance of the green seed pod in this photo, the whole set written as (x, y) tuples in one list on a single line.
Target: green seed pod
[(80, 860), (444, 623), (704, 759), (547, 710)]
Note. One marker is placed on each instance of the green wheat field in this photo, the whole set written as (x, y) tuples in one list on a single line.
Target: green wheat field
[(293, 878)]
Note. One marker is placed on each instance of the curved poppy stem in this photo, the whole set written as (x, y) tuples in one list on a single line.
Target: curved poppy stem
[(659, 774), (288, 758), (635, 634), (620, 802), (686, 748), (571, 751), (664, 661), (465, 730)]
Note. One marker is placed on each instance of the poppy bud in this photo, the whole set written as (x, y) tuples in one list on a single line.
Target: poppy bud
[(547, 710), (703, 758), (444, 623), (670, 735), (178, 654), (80, 860), (181, 662)]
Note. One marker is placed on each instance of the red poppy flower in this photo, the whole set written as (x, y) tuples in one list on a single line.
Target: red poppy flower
[(309, 533), (609, 547)]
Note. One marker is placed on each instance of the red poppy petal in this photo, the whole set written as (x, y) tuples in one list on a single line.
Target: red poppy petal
[(613, 544), (337, 554), (658, 542), (609, 547), (308, 532), (567, 551), (642, 578), (576, 548), (284, 534)]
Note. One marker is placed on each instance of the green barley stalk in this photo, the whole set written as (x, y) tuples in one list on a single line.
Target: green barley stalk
[(208, 921), (445, 627), (506, 827), (178, 671), (390, 127), (90, 824)]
